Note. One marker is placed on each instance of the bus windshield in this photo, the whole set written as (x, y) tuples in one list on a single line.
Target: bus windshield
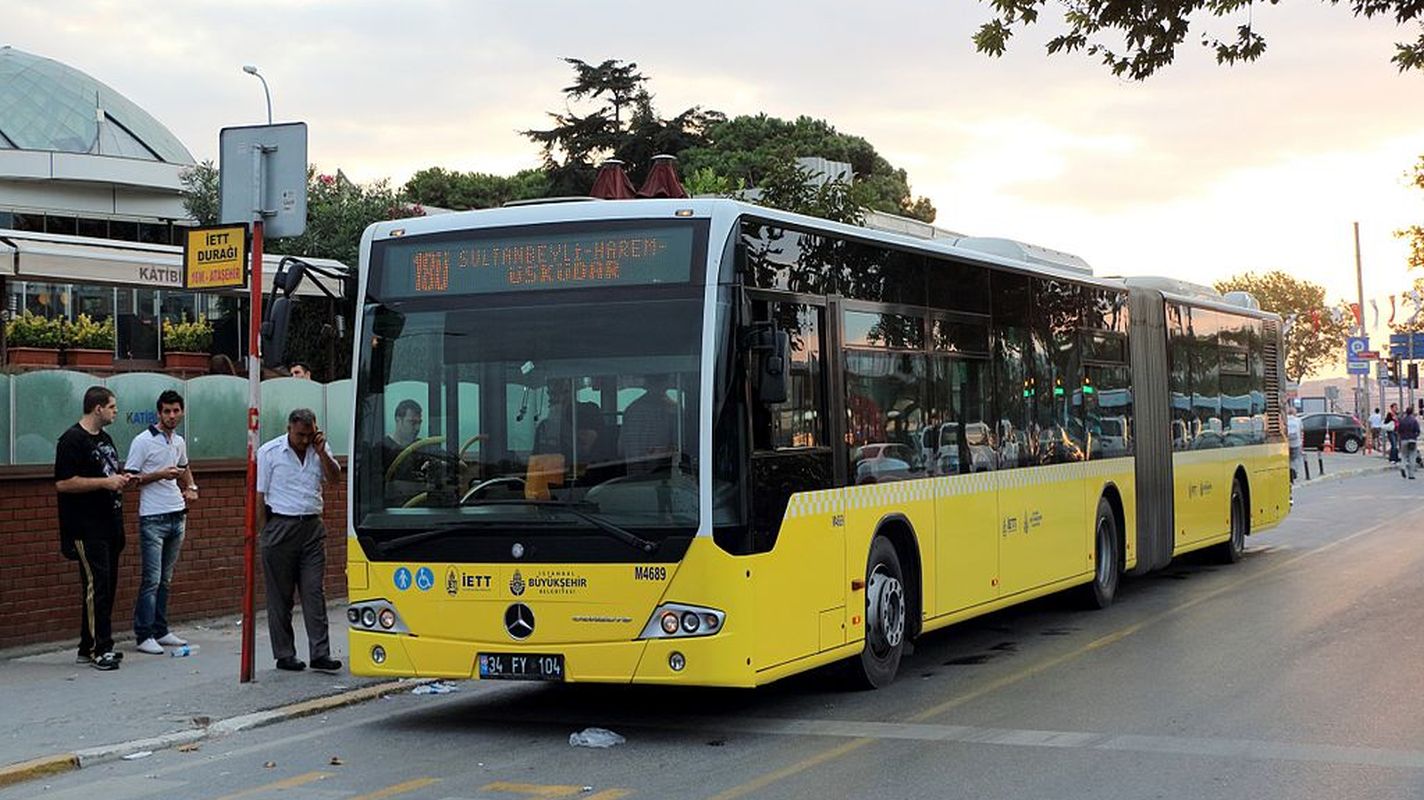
[(506, 413)]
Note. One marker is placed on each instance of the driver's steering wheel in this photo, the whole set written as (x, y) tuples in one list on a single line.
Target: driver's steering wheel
[(430, 441)]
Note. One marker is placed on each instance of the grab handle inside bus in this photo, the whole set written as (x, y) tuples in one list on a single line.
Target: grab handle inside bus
[(768, 348)]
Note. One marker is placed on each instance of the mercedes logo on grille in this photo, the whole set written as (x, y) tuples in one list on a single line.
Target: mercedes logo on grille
[(519, 621)]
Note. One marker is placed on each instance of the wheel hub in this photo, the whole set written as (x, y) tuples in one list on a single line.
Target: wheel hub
[(885, 610)]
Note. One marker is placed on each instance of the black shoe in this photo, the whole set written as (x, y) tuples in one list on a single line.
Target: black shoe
[(106, 662), (292, 664), (83, 658), (326, 664)]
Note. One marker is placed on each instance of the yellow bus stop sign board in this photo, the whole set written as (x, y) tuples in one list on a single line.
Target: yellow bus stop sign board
[(215, 257)]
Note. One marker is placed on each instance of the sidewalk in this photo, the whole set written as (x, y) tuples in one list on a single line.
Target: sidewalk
[(1342, 465), (56, 708)]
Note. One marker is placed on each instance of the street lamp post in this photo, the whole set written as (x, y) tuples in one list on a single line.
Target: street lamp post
[(254, 382), (251, 69)]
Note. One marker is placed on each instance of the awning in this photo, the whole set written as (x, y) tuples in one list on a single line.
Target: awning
[(78, 259)]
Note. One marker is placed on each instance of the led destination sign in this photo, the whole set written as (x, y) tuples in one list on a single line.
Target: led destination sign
[(612, 257)]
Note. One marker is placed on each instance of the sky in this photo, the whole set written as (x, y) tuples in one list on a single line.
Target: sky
[(1198, 173)]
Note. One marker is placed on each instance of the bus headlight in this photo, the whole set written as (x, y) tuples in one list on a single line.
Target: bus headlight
[(387, 618), (368, 617), (679, 620)]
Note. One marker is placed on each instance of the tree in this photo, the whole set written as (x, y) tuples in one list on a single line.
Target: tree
[(1315, 333), (462, 191), (751, 149), (200, 192), (626, 126), (1151, 32)]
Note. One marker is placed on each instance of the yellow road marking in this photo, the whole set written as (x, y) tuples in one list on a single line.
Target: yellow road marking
[(285, 783), (610, 794), (532, 789), (399, 788), (761, 782)]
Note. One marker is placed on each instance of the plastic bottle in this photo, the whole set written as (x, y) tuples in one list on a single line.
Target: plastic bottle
[(183, 651)]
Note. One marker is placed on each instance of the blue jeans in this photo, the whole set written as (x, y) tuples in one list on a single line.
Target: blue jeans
[(160, 537)]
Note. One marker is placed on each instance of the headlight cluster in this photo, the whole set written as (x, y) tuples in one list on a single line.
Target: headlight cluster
[(676, 620), (375, 615)]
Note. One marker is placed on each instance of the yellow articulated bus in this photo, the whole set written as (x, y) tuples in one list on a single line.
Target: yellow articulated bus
[(703, 442)]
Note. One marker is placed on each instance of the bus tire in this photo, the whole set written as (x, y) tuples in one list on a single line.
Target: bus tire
[(1231, 550), (1107, 559), (886, 605)]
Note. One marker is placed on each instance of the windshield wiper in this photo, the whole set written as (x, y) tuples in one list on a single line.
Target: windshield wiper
[(572, 509), (386, 548)]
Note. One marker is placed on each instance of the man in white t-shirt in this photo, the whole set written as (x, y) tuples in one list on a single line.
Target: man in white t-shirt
[(1293, 436), (159, 459)]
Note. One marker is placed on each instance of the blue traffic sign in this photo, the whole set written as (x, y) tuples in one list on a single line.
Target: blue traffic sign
[(1406, 345)]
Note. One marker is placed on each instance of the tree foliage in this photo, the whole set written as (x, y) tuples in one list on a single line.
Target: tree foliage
[(461, 191), (623, 124), (200, 192), (755, 149), (1315, 333), (1138, 39)]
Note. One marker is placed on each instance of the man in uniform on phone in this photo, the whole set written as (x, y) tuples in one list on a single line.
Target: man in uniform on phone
[(290, 471)]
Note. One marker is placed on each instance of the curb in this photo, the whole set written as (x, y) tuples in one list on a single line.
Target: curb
[(58, 763), (1350, 473), (12, 774)]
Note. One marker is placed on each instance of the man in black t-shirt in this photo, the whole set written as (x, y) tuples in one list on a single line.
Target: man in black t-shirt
[(90, 481)]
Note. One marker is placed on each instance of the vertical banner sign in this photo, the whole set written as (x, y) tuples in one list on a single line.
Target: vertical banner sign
[(215, 257)]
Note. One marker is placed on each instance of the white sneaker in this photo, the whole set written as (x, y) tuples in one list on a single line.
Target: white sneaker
[(172, 640), (150, 646)]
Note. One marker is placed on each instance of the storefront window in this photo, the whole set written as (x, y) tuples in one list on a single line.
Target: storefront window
[(137, 327), (96, 301), (47, 299)]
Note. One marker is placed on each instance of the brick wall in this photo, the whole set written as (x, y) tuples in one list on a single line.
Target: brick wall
[(39, 588)]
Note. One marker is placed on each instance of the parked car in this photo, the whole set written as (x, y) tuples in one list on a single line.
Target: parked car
[(1346, 433), (886, 461)]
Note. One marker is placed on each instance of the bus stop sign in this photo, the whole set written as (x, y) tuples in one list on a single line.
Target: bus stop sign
[(262, 173)]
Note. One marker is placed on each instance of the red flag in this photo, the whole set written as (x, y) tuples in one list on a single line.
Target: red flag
[(1359, 315), (1315, 319)]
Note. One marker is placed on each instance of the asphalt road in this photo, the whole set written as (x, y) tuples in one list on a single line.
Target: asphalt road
[(1294, 674)]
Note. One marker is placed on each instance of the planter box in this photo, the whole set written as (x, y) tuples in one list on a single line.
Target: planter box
[(85, 357), (33, 356), (187, 362)]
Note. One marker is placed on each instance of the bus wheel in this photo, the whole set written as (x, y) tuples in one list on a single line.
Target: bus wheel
[(1107, 560), (1231, 550), (885, 606)]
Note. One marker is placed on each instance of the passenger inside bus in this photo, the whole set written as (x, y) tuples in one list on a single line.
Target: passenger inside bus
[(650, 426)]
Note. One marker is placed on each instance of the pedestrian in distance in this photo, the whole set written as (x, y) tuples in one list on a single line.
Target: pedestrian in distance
[(158, 460), (1391, 421), (290, 471), (1376, 428), (1408, 432), (1294, 440), (90, 483)]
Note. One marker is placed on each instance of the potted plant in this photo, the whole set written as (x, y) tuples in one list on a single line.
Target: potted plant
[(185, 344), (88, 343), (32, 340)]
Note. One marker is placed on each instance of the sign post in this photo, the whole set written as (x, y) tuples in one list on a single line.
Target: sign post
[(1356, 362), (262, 179)]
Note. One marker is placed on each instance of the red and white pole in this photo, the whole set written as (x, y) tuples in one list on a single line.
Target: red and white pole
[(254, 405)]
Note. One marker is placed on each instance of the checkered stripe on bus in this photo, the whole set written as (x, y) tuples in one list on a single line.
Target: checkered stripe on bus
[(895, 493)]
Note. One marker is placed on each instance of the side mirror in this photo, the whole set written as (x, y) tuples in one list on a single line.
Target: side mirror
[(274, 333), (769, 349)]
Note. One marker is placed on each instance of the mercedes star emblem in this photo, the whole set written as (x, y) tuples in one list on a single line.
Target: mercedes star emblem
[(519, 621)]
